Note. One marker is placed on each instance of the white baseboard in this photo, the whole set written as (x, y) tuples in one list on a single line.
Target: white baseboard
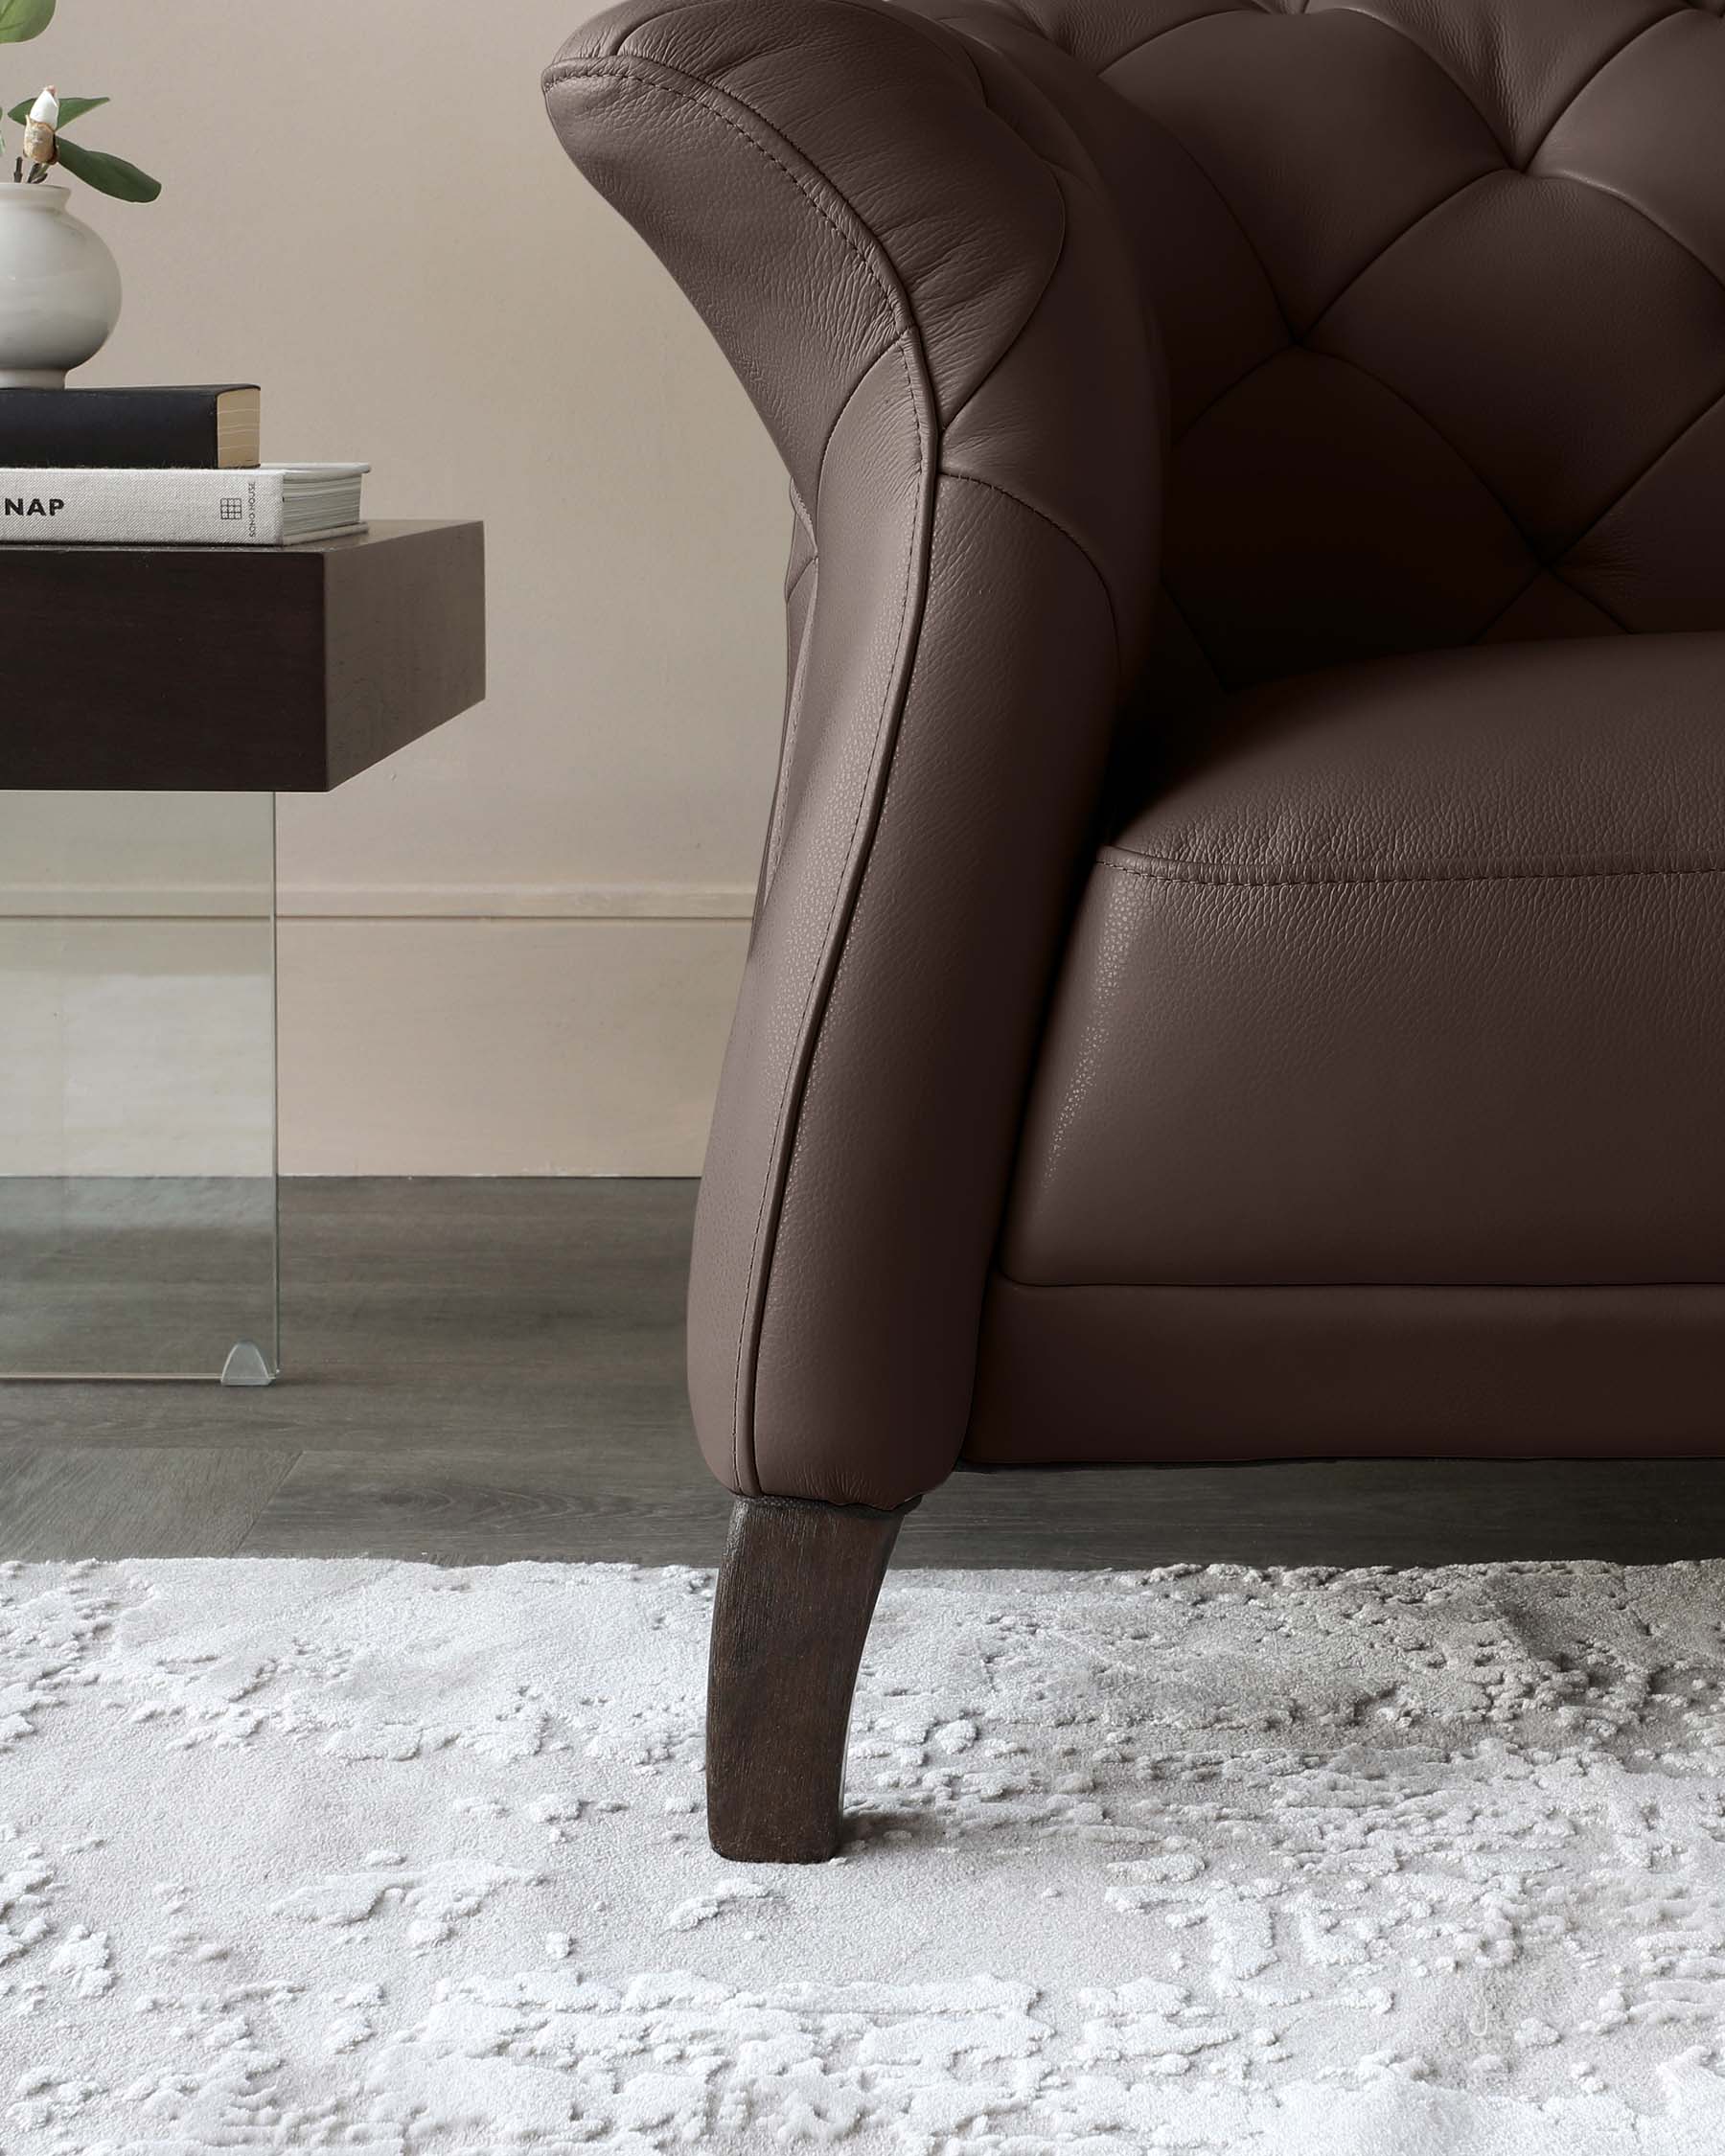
[(387, 901), (518, 902)]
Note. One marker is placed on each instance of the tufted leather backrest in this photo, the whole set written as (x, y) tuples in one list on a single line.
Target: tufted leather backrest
[(1440, 285)]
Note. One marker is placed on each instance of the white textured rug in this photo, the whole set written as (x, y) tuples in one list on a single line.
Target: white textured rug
[(386, 1858)]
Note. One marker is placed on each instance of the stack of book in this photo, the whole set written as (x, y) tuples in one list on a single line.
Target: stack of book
[(159, 467)]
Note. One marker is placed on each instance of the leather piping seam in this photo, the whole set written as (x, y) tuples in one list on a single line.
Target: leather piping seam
[(787, 1124), (691, 93), (1161, 869)]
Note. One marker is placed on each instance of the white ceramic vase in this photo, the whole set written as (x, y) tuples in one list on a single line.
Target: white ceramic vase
[(59, 288)]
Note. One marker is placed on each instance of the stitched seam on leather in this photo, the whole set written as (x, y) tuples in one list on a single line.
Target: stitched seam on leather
[(1342, 360), (1294, 344), (1218, 687), (651, 22), (1617, 195), (1372, 16), (792, 588), (1071, 539), (1227, 209), (1158, 868), (1432, 210), (1556, 569), (1587, 83), (1060, 172), (689, 93), (1645, 472), (1300, 337), (870, 7), (1156, 36), (1544, 570), (1090, 181), (976, 36), (1567, 545), (646, 73), (1575, 179), (1508, 605), (1443, 68), (1407, 232), (1465, 463), (1031, 312), (1183, 151), (1184, 148)]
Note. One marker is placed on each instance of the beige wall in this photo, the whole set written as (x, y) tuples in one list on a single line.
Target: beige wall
[(513, 947)]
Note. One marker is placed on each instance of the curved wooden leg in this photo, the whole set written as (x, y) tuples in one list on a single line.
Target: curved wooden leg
[(795, 1593)]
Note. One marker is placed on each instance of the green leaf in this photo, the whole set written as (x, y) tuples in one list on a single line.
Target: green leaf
[(22, 19), (108, 176), (71, 108)]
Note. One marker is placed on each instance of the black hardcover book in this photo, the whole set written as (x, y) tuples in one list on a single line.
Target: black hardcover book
[(215, 428)]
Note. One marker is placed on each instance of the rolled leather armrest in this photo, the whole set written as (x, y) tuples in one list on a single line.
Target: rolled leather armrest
[(919, 279)]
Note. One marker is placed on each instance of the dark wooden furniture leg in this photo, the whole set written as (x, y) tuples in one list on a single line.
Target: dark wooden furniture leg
[(795, 1593)]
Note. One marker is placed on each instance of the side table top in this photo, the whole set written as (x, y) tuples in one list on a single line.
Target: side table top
[(237, 668)]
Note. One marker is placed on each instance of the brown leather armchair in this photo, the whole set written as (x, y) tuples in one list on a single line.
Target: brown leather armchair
[(1237, 970)]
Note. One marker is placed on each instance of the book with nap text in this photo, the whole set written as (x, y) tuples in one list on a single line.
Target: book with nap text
[(274, 505)]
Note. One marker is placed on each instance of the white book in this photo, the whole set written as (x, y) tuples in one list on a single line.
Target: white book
[(275, 505)]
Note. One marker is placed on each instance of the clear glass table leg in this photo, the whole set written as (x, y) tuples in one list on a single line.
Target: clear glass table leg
[(138, 1206)]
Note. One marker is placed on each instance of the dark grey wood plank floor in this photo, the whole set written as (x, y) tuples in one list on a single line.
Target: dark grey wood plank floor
[(485, 1370)]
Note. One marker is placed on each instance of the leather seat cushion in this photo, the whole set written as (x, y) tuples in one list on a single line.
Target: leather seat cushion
[(1409, 975)]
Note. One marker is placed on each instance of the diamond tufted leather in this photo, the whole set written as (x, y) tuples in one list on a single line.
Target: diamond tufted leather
[(1139, 358), (1442, 287)]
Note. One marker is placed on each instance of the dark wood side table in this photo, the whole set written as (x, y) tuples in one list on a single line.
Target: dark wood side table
[(160, 698)]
